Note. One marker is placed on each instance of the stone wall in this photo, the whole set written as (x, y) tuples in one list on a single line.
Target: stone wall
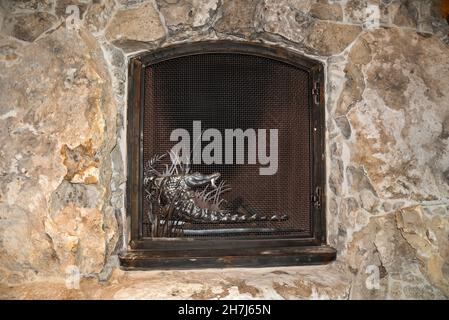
[(62, 128)]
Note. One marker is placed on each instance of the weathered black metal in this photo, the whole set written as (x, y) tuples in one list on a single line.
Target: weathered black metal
[(227, 258), (173, 193), (147, 251)]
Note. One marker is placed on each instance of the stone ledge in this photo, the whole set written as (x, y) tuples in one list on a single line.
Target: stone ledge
[(310, 282)]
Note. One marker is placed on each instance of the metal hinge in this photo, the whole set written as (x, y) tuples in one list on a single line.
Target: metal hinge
[(317, 197), (316, 92)]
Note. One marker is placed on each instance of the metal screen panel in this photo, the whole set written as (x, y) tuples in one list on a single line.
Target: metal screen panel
[(229, 91)]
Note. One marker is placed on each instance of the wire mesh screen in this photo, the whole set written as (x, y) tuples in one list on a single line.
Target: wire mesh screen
[(237, 91)]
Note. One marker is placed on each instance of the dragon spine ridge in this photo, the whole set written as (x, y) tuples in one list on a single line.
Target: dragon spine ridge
[(177, 187)]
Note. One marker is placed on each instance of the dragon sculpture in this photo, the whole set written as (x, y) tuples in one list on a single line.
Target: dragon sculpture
[(179, 196)]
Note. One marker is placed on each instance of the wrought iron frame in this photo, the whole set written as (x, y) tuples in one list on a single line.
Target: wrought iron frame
[(155, 253)]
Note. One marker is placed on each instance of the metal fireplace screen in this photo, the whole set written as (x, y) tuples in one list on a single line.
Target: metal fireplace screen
[(230, 91)]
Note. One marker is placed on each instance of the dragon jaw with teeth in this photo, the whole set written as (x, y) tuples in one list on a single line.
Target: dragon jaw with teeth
[(195, 197)]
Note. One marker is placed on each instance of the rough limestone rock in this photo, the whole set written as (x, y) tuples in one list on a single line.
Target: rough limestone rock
[(381, 246), (8, 47), (355, 81), (81, 163), (401, 112), (426, 230), (390, 212), (423, 15), (288, 19), (40, 5), (327, 11), (98, 15), (318, 282), (238, 17), (356, 10), (28, 26), (325, 38), (61, 110), (295, 22), (141, 23), (187, 13)]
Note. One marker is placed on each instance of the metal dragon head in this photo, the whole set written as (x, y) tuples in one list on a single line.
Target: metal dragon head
[(196, 179)]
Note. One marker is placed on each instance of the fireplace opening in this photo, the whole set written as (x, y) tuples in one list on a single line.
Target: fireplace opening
[(225, 152)]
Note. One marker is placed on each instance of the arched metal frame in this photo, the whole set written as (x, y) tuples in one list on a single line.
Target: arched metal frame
[(180, 253)]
